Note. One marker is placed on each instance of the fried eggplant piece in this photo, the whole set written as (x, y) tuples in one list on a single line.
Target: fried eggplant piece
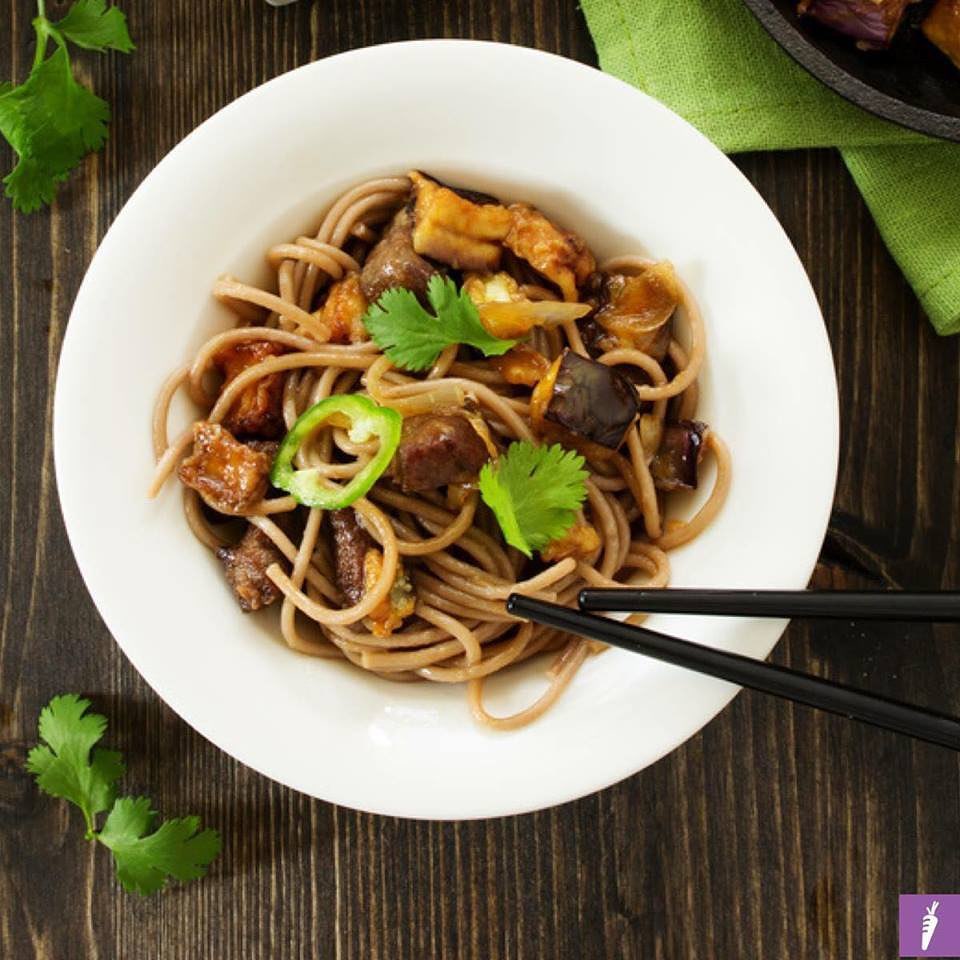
[(636, 309), (676, 463), (586, 398), (872, 23), (942, 28), (455, 230)]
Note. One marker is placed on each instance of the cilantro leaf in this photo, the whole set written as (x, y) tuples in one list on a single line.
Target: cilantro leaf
[(64, 766), (90, 24), (534, 492), (145, 861), (30, 185), (51, 120), (413, 338)]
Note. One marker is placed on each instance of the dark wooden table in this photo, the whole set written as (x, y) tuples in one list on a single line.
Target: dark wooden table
[(776, 832)]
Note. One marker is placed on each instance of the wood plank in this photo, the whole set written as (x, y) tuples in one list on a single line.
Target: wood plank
[(774, 832)]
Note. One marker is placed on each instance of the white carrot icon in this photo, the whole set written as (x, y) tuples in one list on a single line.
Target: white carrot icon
[(930, 922)]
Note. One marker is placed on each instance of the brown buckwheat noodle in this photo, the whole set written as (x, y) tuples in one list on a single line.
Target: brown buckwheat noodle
[(460, 567)]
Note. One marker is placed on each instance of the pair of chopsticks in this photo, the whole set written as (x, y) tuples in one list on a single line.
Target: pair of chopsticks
[(769, 678)]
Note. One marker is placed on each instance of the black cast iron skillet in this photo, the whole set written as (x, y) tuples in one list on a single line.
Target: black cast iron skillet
[(912, 83)]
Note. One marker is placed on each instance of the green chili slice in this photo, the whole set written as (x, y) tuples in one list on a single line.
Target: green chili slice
[(363, 419)]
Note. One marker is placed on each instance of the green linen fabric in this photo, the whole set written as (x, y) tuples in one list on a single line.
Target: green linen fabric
[(711, 62)]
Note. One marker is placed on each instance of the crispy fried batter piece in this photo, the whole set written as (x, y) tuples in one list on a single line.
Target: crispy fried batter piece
[(229, 475), (344, 309), (399, 602), (522, 365), (257, 411), (561, 256), (580, 541), (497, 287)]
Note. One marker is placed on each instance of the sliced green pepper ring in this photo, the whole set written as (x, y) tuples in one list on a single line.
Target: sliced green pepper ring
[(364, 419)]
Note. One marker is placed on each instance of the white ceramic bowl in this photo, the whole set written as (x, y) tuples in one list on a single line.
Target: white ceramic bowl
[(600, 157)]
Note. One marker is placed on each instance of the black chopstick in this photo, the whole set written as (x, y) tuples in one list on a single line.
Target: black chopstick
[(940, 607), (766, 677)]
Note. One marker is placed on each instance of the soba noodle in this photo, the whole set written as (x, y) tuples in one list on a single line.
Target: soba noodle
[(459, 565)]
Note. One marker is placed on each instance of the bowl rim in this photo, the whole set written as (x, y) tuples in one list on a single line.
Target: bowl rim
[(851, 88)]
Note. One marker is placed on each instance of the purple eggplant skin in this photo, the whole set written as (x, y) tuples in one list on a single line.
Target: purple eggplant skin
[(674, 467), (474, 196), (592, 400), (871, 23)]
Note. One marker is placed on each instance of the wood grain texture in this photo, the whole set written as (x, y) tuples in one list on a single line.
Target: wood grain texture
[(776, 832)]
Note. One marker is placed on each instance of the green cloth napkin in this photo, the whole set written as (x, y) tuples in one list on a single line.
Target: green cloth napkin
[(711, 62)]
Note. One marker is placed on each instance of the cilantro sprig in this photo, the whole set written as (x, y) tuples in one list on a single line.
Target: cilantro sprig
[(534, 492), (177, 848), (413, 338), (69, 765), (65, 766), (51, 120)]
